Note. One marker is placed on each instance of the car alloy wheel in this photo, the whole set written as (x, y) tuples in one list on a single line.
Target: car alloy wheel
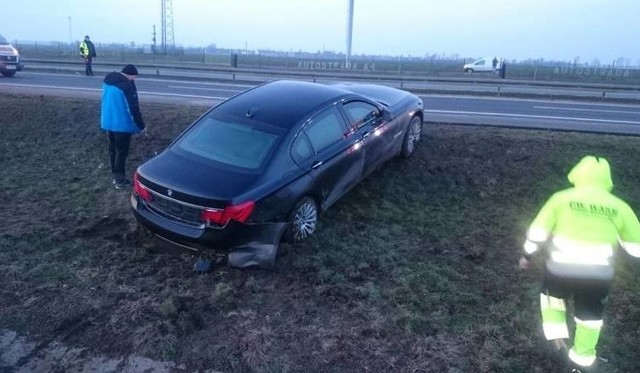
[(412, 136), (303, 220)]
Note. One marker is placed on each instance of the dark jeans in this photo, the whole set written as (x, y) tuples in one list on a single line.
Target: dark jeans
[(118, 152), (87, 66)]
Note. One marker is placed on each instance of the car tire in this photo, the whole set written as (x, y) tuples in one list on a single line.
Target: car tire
[(302, 220), (8, 73), (411, 138)]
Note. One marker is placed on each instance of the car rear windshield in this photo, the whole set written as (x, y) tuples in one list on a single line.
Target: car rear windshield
[(229, 142)]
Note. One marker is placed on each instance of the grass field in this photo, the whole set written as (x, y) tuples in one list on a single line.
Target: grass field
[(414, 271)]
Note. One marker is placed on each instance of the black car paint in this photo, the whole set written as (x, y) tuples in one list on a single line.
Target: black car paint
[(325, 176)]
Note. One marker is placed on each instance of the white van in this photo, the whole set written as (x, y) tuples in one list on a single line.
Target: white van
[(486, 64), (9, 58)]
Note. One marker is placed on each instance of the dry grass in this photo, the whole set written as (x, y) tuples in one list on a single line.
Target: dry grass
[(413, 271)]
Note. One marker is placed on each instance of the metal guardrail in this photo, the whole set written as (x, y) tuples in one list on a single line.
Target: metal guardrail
[(465, 84)]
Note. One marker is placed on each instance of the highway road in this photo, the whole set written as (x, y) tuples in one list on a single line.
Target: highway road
[(456, 109)]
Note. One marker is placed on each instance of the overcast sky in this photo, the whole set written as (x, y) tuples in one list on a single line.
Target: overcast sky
[(515, 29)]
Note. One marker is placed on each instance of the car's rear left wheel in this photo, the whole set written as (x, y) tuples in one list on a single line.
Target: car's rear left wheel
[(412, 137), (302, 221)]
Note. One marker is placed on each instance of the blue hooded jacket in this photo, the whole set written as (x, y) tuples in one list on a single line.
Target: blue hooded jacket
[(120, 108)]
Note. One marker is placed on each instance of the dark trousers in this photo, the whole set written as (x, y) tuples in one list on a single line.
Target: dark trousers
[(118, 152), (87, 66), (587, 294)]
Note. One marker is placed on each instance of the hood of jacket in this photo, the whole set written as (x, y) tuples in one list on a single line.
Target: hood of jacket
[(591, 172), (116, 79)]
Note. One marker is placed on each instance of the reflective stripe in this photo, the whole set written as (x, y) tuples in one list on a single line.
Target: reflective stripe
[(585, 361), (568, 258), (549, 302), (632, 248), (569, 251), (593, 324), (555, 330), (537, 234), (554, 323), (566, 244), (530, 247)]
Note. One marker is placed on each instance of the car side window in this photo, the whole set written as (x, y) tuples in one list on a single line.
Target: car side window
[(301, 149), (325, 129), (360, 112)]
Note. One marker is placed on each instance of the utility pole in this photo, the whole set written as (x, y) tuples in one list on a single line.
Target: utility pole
[(349, 32), (70, 34), (153, 49)]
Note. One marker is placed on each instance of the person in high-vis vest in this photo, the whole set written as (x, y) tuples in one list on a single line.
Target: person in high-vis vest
[(88, 52), (580, 227)]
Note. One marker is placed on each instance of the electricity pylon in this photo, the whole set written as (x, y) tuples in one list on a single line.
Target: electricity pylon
[(168, 42)]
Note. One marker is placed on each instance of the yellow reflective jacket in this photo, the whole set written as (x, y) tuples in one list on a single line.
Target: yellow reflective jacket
[(84, 49), (583, 224)]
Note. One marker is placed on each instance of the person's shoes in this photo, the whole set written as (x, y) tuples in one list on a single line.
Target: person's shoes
[(121, 184), (575, 368)]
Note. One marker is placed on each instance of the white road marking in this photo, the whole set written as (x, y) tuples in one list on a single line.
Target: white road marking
[(99, 90), (180, 95), (532, 116), (52, 87), (205, 89), (594, 110)]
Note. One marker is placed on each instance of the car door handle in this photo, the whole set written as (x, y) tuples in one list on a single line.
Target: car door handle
[(316, 164)]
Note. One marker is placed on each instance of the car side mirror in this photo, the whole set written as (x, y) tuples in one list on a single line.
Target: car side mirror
[(385, 114)]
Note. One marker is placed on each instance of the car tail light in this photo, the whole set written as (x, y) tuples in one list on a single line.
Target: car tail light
[(238, 213), (140, 189)]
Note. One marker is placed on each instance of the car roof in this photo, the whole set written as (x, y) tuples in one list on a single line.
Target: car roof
[(282, 103)]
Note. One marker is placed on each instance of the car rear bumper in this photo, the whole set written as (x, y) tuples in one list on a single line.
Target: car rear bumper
[(186, 234), (246, 244)]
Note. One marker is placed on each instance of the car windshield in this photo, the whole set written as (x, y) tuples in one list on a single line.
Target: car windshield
[(229, 142), (3, 41)]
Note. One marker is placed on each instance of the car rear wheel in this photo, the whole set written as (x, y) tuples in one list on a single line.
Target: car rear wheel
[(8, 73), (412, 137), (302, 221)]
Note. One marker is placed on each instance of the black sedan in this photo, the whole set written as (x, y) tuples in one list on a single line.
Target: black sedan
[(262, 165)]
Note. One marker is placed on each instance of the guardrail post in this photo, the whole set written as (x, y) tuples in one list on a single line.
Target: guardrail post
[(498, 90), (603, 95)]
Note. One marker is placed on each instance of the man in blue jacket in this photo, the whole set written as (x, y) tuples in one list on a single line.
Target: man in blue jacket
[(120, 118)]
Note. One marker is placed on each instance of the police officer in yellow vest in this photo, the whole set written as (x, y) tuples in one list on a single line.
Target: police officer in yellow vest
[(88, 52), (580, 227)]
